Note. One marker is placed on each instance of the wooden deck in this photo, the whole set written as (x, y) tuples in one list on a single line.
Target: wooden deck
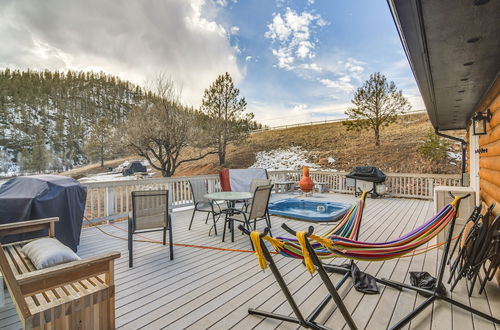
[(204, 288)]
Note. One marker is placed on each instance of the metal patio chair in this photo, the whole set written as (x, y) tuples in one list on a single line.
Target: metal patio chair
[(201, 204), (149, 214), (253, 185), (257, 211)]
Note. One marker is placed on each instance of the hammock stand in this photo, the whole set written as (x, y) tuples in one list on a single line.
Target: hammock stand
[(309, 321)]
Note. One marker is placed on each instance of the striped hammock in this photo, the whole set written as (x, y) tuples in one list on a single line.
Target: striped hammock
[(347, 227), (334, 245)]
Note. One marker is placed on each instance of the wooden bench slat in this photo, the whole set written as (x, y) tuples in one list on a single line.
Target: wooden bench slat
[(78, 294)]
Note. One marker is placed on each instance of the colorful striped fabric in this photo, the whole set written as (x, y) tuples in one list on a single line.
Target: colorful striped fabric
[(340, 241), (347, 227)]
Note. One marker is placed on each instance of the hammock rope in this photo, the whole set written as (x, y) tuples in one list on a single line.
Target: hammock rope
[(339, 246)]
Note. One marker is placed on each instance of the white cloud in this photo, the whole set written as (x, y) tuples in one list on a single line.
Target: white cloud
[(291, 33), (234, 30), (311, 66), (134, 40), (224, 3), (248, 58), (340, 85), (300, 107)]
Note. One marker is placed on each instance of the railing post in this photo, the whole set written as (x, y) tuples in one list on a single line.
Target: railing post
[(106, 202), (430, 185)]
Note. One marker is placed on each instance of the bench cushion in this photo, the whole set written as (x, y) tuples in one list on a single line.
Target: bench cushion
[(46, 252)]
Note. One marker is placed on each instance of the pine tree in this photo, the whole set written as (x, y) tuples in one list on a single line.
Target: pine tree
[(39, 160), (227, 120), (376, 104), (98, 145)]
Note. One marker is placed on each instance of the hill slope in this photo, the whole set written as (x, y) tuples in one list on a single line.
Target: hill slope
[(324, 143)]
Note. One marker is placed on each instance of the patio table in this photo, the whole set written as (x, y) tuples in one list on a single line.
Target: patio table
[(231, 197)]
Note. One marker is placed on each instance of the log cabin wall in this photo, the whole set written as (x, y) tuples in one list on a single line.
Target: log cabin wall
[(489, 161)]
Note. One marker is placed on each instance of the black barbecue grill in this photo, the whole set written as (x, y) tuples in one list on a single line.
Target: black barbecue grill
[(367, 178)]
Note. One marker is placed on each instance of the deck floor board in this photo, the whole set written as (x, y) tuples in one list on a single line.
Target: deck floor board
[(204, 288)]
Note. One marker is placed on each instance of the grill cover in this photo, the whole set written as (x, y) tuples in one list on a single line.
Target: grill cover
[(44, 196), (367, 173)]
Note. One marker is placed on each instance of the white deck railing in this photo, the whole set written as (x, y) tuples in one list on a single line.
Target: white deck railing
[(112, 200)]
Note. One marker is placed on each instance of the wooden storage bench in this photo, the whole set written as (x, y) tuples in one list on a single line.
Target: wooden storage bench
[(74, 295)]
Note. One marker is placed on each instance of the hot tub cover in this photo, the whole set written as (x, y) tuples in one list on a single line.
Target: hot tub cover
[(44, 196), (367, 173)]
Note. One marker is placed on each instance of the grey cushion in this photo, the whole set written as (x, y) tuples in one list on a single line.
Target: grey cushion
[(46, 252)]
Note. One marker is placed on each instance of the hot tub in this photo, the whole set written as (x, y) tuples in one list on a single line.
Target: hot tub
[(309, 210)]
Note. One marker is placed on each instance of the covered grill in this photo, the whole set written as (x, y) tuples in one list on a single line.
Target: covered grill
[(367, 178), (44, 196)]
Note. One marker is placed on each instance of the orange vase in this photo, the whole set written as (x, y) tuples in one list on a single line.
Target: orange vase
[(306, 184)]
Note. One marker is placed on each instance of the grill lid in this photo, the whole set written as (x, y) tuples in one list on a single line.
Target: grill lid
[(367, 173)]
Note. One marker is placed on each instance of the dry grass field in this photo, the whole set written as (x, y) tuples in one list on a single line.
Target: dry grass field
[(398, 151)]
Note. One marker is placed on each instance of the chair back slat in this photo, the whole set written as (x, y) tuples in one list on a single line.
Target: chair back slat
[(150, 208), (199, 189), (257, 183), (259, 201)]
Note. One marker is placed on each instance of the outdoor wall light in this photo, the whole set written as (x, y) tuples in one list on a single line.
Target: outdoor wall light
[(479, 121)]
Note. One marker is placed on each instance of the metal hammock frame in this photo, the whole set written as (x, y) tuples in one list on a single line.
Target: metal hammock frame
[(309, 321)]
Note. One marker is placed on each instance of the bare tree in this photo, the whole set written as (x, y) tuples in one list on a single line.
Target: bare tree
[(162, 128), (377, 104)]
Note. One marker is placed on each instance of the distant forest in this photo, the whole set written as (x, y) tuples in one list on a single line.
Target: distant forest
[(58, 120), (46, 117)]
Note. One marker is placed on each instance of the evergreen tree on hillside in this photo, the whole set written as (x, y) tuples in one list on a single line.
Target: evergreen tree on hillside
[(38, 160), (99, 146), (227, 120), (376, 104)]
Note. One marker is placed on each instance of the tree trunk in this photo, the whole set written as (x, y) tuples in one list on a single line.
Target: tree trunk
[(102, 155), (222, 153), (222, 158), (376, 131)]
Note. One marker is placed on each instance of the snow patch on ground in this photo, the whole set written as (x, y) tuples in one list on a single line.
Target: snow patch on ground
[(114, 175), (107, 177), (330, 160), (455, 155), (292, 158)]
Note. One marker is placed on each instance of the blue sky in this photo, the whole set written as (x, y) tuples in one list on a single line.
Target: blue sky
[(294, 61), (349, 40)]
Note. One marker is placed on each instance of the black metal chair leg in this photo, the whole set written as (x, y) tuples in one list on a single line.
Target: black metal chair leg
[(231, 224), (473, 282), (192, 217), (215, 222), (164, 235), (225, 226), (130, 252), (206, 220), (171, 240)]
